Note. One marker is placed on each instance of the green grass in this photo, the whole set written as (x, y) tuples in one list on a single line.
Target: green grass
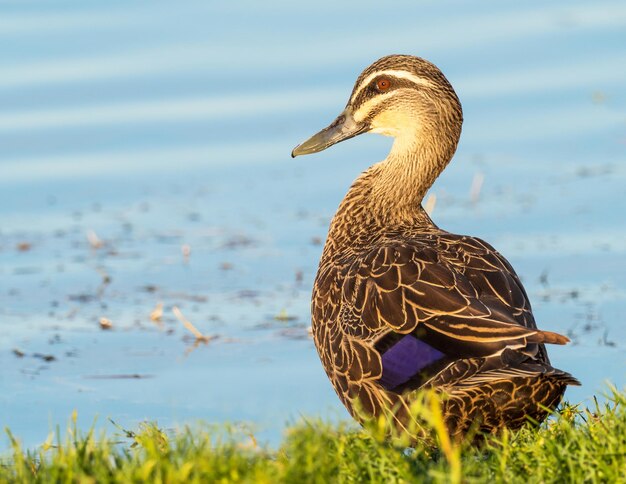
[(573, 446)]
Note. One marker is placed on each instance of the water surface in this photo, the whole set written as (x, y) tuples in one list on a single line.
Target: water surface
[(132, 134)]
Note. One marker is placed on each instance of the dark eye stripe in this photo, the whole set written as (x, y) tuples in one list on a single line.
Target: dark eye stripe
[(371, 91)]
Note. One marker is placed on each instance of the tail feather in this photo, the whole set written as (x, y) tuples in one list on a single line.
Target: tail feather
[(549, 337), (564, 377)]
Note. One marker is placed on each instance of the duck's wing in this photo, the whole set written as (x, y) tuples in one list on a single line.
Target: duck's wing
[(473, 372), (417, 288)]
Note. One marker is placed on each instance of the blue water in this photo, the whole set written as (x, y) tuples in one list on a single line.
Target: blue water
[(158, 125)]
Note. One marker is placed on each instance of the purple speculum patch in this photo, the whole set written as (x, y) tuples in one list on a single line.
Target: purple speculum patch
[(405, 359)]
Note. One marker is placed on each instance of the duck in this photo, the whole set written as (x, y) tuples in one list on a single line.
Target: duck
[(401, 306)]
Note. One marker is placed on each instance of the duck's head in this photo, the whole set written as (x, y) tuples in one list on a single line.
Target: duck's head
[(402, 96)]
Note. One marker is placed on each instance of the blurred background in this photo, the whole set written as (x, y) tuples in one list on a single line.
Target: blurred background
[(144, 165)]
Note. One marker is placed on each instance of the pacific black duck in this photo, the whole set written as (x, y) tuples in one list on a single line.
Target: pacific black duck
[(399, 304)]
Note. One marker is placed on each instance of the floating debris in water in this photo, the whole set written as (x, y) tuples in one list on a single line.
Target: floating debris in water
[(543, 278), (105, 323), (81, 298), (476, 187), (19, 353), (24, 246), (226, 266), (605, 340), (106, 278), (157, 313), (187, 324), (284, 317), (186, 251), (431, 201), (46, 358), (239, 241), (94, 241)]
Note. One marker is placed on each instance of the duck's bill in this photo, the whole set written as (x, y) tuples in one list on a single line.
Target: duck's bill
[(342, 128)]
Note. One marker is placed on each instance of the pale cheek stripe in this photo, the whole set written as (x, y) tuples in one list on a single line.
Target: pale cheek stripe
[(399, 74), (368, 106)]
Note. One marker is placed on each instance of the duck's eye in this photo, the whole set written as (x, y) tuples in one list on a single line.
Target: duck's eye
[(383, 84)]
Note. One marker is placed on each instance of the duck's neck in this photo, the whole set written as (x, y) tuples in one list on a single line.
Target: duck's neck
[(400, 182), (389, 194)]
